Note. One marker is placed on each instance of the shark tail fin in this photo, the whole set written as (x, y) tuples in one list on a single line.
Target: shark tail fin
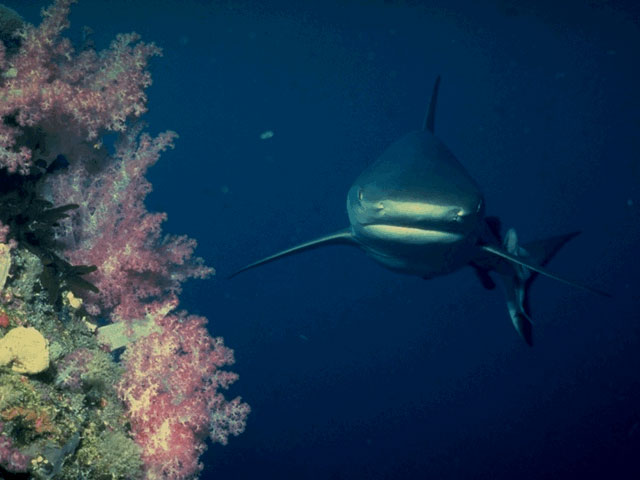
[(541, 252), (524, 261), (524, 326), (528, 262), (341, 237)]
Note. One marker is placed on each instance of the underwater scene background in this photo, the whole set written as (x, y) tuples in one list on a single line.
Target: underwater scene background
[(352, 371)]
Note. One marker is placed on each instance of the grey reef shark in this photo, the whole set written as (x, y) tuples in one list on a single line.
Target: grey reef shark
[(416, 210)]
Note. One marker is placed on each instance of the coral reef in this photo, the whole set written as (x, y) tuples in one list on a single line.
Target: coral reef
[(86, 271)]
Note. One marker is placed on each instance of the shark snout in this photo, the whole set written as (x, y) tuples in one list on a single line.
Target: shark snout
[(449, 219)]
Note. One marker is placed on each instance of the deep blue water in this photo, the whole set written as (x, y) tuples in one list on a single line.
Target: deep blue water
[(352, 371)]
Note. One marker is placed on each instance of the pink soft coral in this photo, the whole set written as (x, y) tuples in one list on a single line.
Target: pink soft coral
[(11, 458), (171, 390), (47, 84), (113, 230), (56, 101)]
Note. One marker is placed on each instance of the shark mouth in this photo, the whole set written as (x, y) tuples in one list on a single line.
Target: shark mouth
[(409, 235)]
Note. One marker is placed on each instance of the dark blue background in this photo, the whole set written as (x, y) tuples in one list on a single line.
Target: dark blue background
[(353, 371)]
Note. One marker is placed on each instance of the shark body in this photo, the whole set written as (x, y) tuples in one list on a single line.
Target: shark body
[(416, 210)]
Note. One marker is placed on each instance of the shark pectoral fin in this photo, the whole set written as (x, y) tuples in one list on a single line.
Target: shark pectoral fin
[(541, 270), (341, 237)]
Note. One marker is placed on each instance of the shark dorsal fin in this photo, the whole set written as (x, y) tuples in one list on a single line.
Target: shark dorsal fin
[(429, 120), (341, 237)]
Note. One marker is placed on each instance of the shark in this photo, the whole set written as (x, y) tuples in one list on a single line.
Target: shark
[(416, 210)]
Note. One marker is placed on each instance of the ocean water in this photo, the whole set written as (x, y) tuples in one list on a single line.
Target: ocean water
[(355, 372)]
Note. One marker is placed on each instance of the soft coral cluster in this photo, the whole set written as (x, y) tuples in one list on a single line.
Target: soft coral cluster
[(12, 459), (57, 102), (47, 84), (171, 389), (112, 230)]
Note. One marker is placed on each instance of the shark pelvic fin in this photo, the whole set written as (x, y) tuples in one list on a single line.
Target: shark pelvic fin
[(341, 237), (484, 277)]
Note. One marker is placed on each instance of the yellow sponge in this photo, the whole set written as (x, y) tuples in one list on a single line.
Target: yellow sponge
[(26, 349)]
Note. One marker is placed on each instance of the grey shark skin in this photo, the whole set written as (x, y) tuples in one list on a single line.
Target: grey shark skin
[(416, 210)]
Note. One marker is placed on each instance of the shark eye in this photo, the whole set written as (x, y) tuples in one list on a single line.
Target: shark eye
[(360, 195)]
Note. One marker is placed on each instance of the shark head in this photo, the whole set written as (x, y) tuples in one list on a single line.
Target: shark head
[(416, 209)]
